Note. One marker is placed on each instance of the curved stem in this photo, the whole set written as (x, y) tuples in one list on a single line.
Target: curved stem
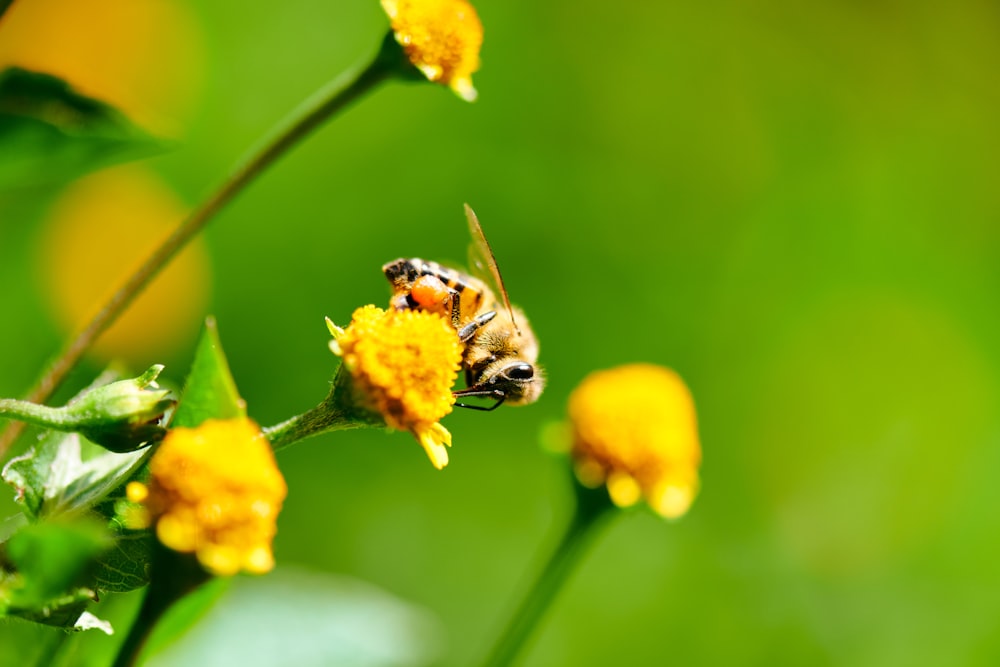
[(310, 114), (591, 508)]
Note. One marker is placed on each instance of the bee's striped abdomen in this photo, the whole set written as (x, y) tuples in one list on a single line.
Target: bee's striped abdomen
[(470, 290)]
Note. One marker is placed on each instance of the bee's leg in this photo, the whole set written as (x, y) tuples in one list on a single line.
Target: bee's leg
[(456, 307), (479, 391), (467, 332)]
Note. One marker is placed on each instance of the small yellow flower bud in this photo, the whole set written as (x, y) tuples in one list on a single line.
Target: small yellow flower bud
[(635, 431)]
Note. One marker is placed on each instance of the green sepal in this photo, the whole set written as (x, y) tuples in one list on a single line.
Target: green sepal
[(210, 391), (393, 58)]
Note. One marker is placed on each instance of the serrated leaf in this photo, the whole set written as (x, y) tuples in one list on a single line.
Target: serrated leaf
[(65, 474), (210, 391), (28, 473), (49, 132), (125, 566)]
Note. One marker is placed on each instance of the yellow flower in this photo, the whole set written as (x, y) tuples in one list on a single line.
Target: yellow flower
[(215, 491), (441, 38), (403, 365), (634, 429)]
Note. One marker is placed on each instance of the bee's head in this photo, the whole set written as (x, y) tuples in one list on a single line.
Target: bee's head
[(514, 382), (521, 382)]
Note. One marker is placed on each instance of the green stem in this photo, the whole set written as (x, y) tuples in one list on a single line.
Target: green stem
[(324, 418), (592, 506), (39, 415), (174, 575), (337, 412), (308, 116)]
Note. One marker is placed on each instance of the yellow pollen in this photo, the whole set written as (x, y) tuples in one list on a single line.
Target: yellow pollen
[(136, 492), (634, 428), (441, 38)]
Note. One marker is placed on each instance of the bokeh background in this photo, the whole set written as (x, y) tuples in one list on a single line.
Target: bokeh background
[(794, 205)]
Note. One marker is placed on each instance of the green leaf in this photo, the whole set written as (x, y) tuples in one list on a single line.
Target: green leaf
[(125, 567), (4, 6), (298, 617), (66, 474), (49, 132), (51, 559), (210, 392), (61, 613), (45, 570), (29, 472), (187, 612)]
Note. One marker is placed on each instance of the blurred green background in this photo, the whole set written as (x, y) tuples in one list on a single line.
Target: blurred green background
[(794, 205)]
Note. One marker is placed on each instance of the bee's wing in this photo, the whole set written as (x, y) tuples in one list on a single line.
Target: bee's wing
[(483, 264)]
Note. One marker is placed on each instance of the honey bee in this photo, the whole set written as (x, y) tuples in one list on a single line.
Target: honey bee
[(501, 350)]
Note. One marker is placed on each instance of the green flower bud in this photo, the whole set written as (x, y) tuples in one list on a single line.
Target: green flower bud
[(120, 416), (123, 415)]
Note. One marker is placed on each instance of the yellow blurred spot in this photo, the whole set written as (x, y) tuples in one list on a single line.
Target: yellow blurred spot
[(142, 56), (136, 492), (634, 429), (99, 231)]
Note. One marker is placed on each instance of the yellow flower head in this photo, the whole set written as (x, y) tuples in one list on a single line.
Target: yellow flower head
[(634, 429), (403, 365), (441, 38), (215, 491)]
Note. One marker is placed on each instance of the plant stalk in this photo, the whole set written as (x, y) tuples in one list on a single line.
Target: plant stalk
[(303, 120), (320, 419), (592, 507), (33, 413)]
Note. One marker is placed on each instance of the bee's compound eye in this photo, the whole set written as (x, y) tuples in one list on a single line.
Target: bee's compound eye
[(520, 372)]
